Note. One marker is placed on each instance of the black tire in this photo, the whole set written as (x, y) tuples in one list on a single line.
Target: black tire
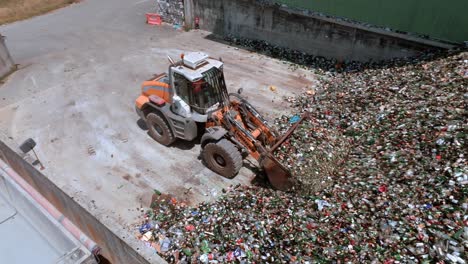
[(223, 158), (159, 129)]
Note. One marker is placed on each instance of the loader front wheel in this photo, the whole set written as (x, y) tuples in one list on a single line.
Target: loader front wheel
[(159, 130), (223, 158)]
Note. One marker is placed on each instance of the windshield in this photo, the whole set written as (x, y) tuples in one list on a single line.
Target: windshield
[(201, 94)]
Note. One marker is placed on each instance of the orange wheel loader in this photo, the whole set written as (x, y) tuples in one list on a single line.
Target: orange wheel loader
[(192, 100)]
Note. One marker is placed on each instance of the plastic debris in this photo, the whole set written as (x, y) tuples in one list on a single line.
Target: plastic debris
[(147, 236), (294, 119), (190, 228), (145, 227)]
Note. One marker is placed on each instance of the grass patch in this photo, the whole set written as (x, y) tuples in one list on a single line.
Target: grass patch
[(14, 10)]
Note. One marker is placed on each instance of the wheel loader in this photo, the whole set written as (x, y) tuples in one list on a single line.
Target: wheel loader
[(192, 100)]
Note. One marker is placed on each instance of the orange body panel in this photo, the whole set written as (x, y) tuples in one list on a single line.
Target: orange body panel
[(141, 101), (160, 89)]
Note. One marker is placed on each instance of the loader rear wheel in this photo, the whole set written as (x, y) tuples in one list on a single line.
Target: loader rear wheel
[(223, 158), (159, 129)]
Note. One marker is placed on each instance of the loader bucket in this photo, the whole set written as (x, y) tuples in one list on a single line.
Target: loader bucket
[(279, 176)]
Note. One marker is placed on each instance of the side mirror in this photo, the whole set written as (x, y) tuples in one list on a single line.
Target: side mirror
[(240, 90), (220, 59)]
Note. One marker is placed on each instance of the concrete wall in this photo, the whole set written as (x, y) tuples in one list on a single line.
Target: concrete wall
[(439, 19), (6, 62), (261, 20), (114, 249)]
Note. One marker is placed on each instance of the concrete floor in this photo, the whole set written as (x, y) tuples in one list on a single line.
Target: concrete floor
[(80, 72)]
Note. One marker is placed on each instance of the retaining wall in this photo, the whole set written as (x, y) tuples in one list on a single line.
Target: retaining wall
[(301, 30), (6, 62), (439, 19), (114, 249)]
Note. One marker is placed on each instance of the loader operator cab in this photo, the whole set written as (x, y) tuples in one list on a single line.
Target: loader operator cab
[(199, 86), (203, 93)]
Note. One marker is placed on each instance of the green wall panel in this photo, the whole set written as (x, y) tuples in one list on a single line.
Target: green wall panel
[(447, 20)]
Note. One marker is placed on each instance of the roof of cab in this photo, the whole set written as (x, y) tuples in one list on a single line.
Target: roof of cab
[(196, 74)]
